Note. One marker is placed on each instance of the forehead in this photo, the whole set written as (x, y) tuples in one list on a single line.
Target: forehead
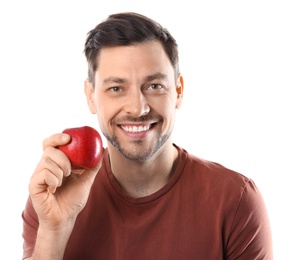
[(148, 52)]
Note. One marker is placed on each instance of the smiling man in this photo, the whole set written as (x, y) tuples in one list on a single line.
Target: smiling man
[(147, 198), (135, 95)]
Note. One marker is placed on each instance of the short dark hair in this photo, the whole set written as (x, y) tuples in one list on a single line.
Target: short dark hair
[(124, 29)]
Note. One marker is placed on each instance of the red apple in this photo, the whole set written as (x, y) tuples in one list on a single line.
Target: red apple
[(85, 147)]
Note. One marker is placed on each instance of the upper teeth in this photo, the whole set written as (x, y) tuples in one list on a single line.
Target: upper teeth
[(135, 129)]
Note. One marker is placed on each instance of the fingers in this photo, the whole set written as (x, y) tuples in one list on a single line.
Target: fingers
[(56, 140), (50, 171), (54, 165)]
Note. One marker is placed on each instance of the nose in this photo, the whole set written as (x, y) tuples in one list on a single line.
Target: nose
[(136, 104)]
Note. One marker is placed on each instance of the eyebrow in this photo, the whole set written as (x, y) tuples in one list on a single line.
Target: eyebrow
[(156, 76), (114, 80), (117, 80)]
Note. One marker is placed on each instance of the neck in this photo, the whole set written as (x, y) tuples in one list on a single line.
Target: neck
[(140, 179)]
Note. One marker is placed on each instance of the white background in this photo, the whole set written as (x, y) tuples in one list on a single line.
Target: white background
[(237, 60)]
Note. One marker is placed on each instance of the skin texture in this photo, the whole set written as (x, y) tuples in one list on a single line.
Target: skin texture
[(135, 88)]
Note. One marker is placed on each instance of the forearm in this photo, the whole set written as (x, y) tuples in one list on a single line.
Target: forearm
[(51, 245)]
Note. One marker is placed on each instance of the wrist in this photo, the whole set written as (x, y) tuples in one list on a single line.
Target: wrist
[(51, 242)]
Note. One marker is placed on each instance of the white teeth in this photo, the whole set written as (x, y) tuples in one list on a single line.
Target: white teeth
[(135, 129)]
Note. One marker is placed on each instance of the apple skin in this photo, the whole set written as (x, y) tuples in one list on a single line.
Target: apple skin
[(85, 147)]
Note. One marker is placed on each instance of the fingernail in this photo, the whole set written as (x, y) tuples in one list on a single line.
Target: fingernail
[(68, 172), (65, 137)]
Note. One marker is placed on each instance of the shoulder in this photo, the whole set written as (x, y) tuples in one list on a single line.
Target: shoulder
[(215, 181), (207, 170), (232, 199)]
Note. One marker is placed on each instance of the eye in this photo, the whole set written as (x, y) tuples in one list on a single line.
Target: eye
[(115, 89), (156, 86)]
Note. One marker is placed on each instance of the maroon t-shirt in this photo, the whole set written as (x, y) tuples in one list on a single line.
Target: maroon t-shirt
[(205, 211)]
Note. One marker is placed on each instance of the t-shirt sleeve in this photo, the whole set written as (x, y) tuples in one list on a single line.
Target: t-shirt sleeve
[(30, 228), (250, 235)]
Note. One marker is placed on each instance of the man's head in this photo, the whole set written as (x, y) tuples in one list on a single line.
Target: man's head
[(134, 85), (124, 29)]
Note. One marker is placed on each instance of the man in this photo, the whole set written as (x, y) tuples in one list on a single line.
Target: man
[(147, 198)]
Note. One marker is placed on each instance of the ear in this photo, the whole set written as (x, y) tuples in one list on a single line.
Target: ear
[(89, 91), (180, 91)]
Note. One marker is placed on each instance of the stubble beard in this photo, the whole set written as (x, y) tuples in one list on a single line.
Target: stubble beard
[(137, 154)]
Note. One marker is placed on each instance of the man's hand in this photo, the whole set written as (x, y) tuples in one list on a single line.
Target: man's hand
[(58, 195)]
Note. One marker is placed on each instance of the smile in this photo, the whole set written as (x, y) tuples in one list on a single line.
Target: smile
[(136, 129)]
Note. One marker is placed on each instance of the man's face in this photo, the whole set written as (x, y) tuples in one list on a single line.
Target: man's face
[(135, 98)]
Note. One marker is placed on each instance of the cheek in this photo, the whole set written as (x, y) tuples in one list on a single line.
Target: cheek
[(166, 104), (102, 113), (106, 111), (165, 108)]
